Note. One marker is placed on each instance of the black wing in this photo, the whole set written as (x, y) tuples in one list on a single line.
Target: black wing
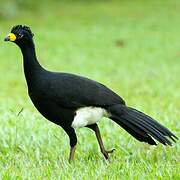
[(73, 91)]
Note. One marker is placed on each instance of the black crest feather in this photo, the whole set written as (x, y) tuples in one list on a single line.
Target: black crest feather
[(20, 27)]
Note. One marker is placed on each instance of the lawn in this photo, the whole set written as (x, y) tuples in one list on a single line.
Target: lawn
[(132, 47)]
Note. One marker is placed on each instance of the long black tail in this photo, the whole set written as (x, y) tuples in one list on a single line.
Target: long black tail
[(140, 125)]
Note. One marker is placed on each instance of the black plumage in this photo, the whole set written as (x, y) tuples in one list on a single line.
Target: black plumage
[(59, 96)]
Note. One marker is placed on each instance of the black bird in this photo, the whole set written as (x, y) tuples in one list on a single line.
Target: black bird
[(72, 101)]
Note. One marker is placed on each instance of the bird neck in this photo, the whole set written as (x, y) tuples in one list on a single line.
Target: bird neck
[(32, 68)]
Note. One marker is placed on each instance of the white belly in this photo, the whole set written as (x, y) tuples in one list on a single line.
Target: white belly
[(88, 115)]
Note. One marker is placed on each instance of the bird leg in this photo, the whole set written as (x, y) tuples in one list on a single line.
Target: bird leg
[(73, 141), (95, 128), (71, 154)]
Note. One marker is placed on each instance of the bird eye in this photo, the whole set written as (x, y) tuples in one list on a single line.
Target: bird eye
[(20, 35)]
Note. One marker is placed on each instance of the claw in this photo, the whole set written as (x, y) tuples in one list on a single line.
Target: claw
[(106, 153), (111, 151)]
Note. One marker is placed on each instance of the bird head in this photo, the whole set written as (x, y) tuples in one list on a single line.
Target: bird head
[(20, 35)]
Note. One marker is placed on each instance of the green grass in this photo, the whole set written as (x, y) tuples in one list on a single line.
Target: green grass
[(133, 48)]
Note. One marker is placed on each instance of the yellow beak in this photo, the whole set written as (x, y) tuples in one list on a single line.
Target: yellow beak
[(10, 37)]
